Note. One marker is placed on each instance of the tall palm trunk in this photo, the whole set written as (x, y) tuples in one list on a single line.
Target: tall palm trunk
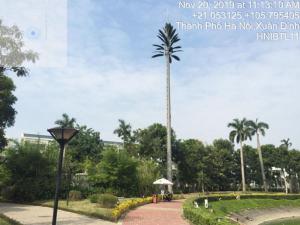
[(261, 163), (242, 167), (169, 149)]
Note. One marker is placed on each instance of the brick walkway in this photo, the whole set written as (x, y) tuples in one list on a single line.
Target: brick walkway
[(163, 213)]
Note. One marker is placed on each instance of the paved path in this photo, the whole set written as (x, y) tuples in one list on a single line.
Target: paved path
[(257, 216), (163, 213), (37, 215)]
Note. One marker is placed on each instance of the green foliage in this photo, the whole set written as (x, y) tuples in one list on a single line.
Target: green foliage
[(294, 185), (32, 174), (11, 42), (286, 143), (85, 145), (152, 143), (4, 220), (107, 200), (190, 158), (222, 204), (75, 195), (240, 130), (220, 169), (5, 176), (124, 131), (7, 100), (66, 121), (93, 198), (117, 171), (147, 172)]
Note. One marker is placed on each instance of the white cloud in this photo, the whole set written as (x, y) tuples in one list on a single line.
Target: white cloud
[(110, 76)]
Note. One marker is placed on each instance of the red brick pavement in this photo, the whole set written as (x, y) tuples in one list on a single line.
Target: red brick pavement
[(163, 213)]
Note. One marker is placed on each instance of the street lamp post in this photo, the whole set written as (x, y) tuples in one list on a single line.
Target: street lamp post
[(62, 136)]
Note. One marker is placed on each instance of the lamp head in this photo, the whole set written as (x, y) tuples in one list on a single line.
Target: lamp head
[(62, 135)]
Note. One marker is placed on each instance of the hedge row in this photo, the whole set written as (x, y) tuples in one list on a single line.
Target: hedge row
[(196, 217), (217, 197)]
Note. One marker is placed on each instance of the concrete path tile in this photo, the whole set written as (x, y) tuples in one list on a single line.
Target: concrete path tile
[(38, 215)]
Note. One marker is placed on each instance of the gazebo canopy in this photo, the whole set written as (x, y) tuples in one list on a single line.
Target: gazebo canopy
[(163, 181)]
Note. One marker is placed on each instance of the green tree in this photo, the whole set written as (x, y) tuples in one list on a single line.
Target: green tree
[(66, 121), (168, 38), (124, 131), (152, 144), (239, 134), (259, 128), (7, 100), (87, 144), (286, 143), (219, 165), (32, 174), (12, 56), (147, 173), (252, 166), (274, 157), (117, 171), (12, 52), (190, 161)]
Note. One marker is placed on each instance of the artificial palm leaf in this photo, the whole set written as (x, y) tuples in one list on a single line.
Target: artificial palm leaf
[(168, 37)]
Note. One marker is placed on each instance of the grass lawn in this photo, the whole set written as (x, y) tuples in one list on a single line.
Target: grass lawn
[(283, 222), (84, 207), (220, 209), (4, 222)]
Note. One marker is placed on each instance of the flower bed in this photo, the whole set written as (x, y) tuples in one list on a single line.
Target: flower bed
[(126, 205)]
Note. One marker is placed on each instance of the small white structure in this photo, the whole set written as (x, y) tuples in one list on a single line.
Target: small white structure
[(284, 175), (196, 204), (206, 203)]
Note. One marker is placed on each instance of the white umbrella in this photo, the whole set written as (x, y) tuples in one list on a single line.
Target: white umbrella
[(163, 181)]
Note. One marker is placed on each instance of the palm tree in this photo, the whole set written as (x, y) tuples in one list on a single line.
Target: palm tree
[(66, 121), (240, 133), (168, 38), (258, 128), (287, 143), (124, 132)]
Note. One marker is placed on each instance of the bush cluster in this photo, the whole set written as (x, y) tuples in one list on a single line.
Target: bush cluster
[(104, 200), (93, 198)]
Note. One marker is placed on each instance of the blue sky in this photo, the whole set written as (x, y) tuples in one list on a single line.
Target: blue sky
[(110, 75)]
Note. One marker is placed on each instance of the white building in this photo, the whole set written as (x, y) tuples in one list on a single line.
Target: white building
[(35, 138), (45, 139)]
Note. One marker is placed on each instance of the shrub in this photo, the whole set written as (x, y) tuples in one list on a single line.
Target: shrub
[(32, 173), (129, 204), (75, 195), (8, 192), (107, 200), (93, 198)]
